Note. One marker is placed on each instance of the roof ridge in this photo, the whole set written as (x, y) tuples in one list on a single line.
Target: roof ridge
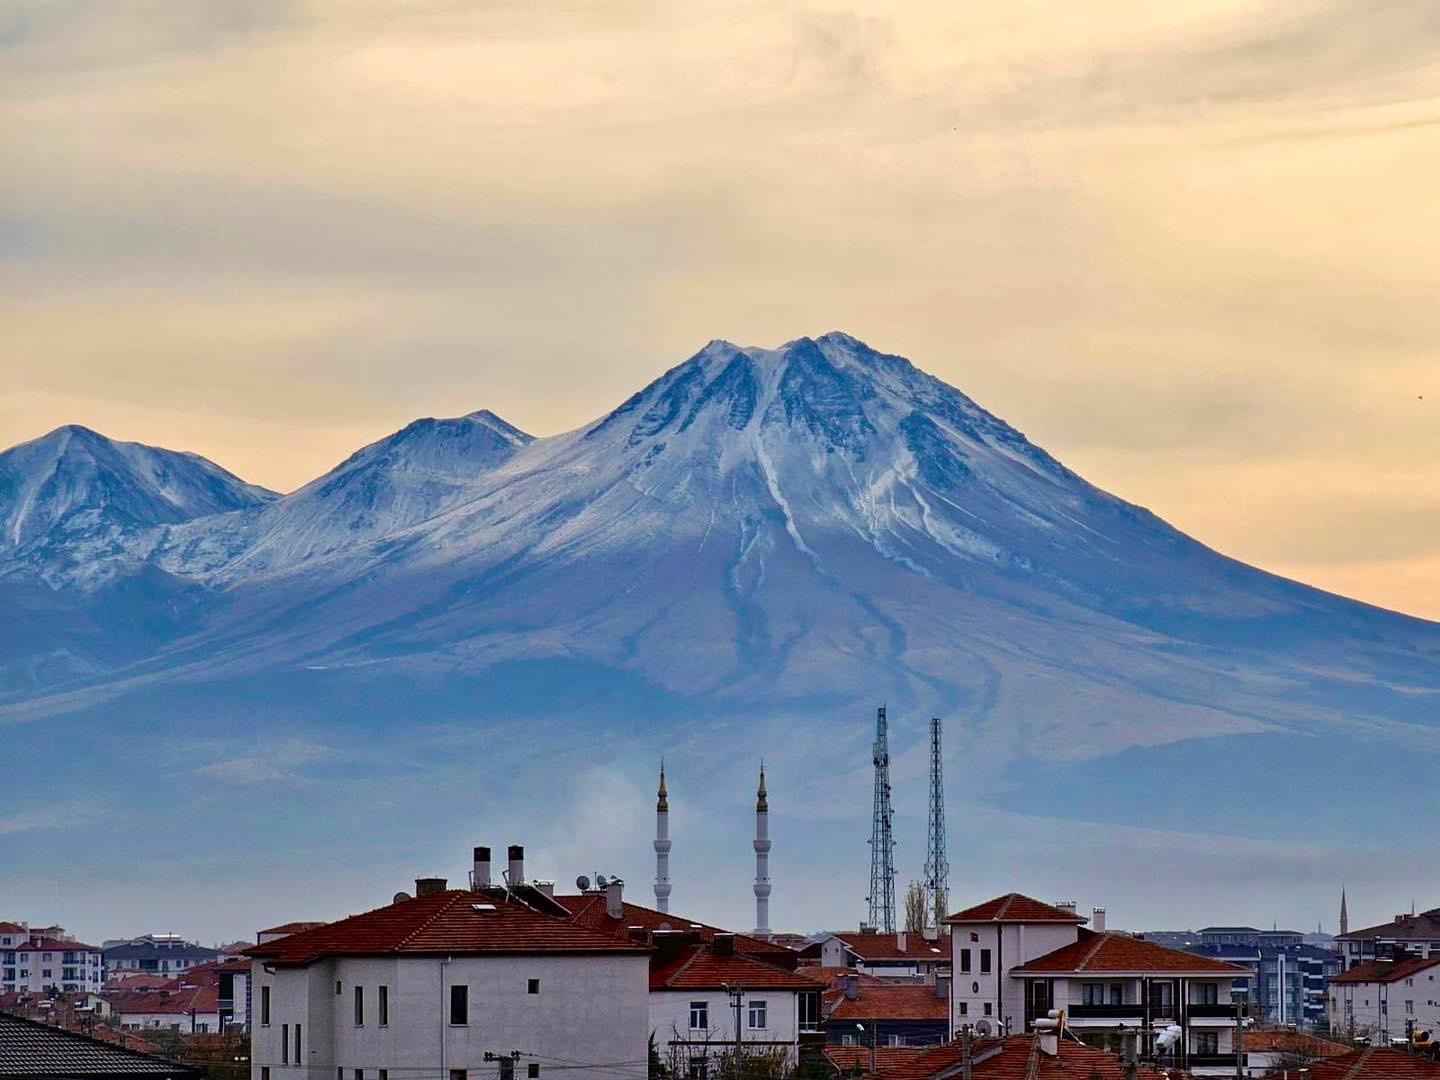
[(440, 909), (1360, 1063), (1005, 906), (1100, 940), (694, 955)]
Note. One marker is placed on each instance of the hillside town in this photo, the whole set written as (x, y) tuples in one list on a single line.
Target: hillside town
[(505, 974)]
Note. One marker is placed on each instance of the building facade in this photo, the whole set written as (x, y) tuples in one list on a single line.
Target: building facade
[(38, 964), (167, 955), (1417, 935), (1385, 999)]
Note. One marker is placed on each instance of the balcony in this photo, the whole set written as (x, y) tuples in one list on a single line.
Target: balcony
[(1212, 1061), (1133, 1011), (1224, 1012)]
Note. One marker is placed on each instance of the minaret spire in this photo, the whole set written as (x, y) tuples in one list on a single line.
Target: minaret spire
[(1344, 914), (662, 844), (762, 858)]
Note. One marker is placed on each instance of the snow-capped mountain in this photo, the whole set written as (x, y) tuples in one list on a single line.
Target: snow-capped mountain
[(73, 496)]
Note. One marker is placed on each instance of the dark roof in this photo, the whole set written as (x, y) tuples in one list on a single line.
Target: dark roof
[(1117, 953), (702, 967), (37, 1051), (55, 945), (589, 910), (873, 945), (1010, 1059), (135, 950), (460, 921), (1015, 908), (1385, 971), (1375, 1063), (887, 1002), (1422, 927)]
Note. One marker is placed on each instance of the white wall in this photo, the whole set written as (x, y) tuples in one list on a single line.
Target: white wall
[(1380, 1008), (1010, 945), (29, 969), (589, 1009), (670, 1021)]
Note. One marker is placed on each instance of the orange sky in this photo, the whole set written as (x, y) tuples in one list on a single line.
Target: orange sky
[(1186, 247)]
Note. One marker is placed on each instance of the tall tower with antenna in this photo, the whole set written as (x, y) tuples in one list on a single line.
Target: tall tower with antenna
[(762, 859), (882, 843), (937, 866), (662, 845)]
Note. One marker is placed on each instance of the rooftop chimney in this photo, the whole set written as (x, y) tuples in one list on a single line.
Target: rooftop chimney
[(851, 986), (545, 887), (900, 940), (424, 886), (481, 875), (1066, 905), (942, 987), (615, 898), (1097, 920), (724, 945), (516, 874)]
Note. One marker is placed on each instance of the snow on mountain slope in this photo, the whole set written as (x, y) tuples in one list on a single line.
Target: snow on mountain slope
[(381, 489), (73, 496)]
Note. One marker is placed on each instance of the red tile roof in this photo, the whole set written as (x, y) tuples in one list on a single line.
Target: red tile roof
[(1116, 954), (292, 927), (55, 945), (182, 1002), (1385, 971), (1290, 1041), (700, 967), (11, 928), (849, 1059), (870, 945), (589, 910), (451, 921), (124, 980), (1012, 908), (887, 1002), (1008, 1059), (831, 976), (1375, 1063)]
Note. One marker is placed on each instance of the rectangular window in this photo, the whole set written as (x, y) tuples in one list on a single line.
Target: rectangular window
[(339, 1073), (338, 989), (809, 1010), (758, 1015), (359, 1074), (1207, 1042), (1207, 994), (532, 1071), (299, 1058), (1117, 994), (359, 1006), (697, 1070), (284, 1044), (384, 1006), (987, 1008), (457, 1074), (507, 1068), (383, 1074), (533, 986), (1092, 993), (984, 961), (459, 1005), (1409, 1008), (964, 1008), (264, 1072), (699, 1016), (964, 959)]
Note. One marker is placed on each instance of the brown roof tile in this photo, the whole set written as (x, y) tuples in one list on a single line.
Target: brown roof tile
[(1119, 953), (1014, 907)]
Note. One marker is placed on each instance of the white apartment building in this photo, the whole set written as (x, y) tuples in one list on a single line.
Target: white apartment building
[(1016, 958), (458, 984), (35, 964), (1383, 999), (872, 952)]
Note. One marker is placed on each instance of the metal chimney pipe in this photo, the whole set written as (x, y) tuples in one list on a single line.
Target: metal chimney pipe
[(516, 874), (481, 878)]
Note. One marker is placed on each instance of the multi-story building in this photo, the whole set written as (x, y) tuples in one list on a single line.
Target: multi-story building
[(899, 955), (1288, 983), (168, 955), (861, 1012), (452, 983), (1016, 958), (1418, 935), (1385, 999), (37, 964)]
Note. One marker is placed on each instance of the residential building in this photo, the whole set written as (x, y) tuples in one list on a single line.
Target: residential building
[(859, 1012), (233, 993), (264, 937), (37, 964), (1016, 958), (1415, 934), (898, 955), (1288, 983), (12, 934), (187, 1008), (30, 1050), (1247, 935), (1384, 999), (156, 954), (452, 983), (1375, 1063), (1282, 1049), (692, 1015)]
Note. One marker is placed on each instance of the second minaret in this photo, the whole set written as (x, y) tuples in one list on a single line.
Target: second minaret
[(662, 846), (762, 860)]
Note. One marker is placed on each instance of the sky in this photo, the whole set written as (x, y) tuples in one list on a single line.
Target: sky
[(1185, 247)]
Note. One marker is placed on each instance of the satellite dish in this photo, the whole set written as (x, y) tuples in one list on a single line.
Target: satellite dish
[(599, 881), (400, 897), (985, 1027), (582, 883)]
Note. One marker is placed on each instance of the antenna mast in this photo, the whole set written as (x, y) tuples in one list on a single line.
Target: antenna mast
[(882, 845), (937, 867)]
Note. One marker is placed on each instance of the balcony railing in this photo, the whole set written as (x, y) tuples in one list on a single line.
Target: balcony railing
[(1227, 1011), (1106, 1012), (1212, 1061)]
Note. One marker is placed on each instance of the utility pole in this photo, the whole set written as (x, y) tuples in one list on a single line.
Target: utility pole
[(1240, 1040), (882, 843), (737, 996)]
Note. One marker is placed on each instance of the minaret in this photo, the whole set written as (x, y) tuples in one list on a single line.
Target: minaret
[(662, 846), (1344, 914), (762, 859)]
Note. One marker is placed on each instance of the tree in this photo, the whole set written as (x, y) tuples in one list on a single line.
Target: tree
[(916, 908)]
